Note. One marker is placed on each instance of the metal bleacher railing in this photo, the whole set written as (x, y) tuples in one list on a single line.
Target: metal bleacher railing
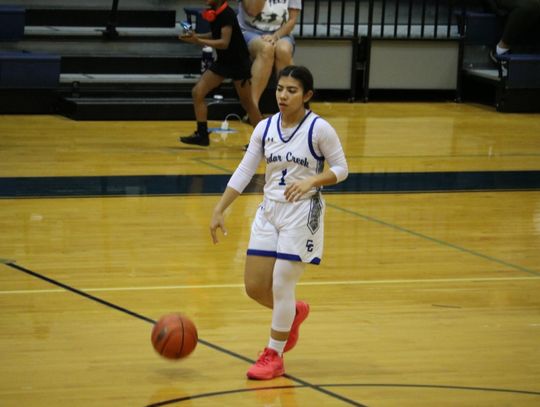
[(430, 20), (380, 18), (377, 18), (110, 29), (362, 21)]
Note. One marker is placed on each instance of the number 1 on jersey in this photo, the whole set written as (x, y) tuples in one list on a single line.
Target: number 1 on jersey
[(283, 174)]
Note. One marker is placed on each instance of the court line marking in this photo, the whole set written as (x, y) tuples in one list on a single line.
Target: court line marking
[(409, 231), (211, 165), (306, 283), (488, 157), (433, 239), (434, 386), (385, 385), (220, 393), (202, 341), (319, 388)]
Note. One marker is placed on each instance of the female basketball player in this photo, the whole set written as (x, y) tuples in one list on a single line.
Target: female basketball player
[(288, 228), (232, 62)]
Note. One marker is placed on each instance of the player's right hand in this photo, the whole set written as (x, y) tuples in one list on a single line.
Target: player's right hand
[(217, 222)]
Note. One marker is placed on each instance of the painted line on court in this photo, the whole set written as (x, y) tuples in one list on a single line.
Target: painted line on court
[(220, 393), (360, 385), (363, 156), (302, 384), (435, 386), (201, 341), (79, 292), (305, 283), (488, 157), (409, 231), (214, 166), (432, 239)]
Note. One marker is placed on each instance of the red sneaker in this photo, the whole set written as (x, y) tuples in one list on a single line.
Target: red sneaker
[(302, 312), (269, 365)]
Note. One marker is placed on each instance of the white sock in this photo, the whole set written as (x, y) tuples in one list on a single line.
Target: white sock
[(278, 346), (501, 50)]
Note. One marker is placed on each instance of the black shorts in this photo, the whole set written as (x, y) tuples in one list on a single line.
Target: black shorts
[(236, 72)]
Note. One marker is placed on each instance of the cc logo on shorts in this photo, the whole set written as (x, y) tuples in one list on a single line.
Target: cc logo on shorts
[(309, 245)]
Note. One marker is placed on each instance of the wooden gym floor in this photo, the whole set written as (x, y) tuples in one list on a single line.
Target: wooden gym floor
[(428, 293)]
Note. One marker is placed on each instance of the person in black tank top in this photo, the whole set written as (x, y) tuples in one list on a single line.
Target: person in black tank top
[(233, 61)]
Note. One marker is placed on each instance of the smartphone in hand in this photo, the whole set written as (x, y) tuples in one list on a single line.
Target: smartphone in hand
[(186, 27)]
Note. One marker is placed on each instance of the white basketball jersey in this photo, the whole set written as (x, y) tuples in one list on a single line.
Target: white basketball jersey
[(291, 157)]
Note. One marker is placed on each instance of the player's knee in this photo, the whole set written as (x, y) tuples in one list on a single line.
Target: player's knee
[(283, 285), (281, 290), (259, 290), (253, 290)]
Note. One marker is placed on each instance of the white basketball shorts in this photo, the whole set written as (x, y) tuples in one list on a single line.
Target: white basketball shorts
[(290, 231)]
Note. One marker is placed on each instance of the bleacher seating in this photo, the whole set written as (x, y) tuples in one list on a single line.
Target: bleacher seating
[(29, 70), (12, 21), (65, 60), (146, 72), (516, 82)]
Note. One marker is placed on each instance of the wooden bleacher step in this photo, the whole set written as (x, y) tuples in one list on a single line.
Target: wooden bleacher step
[(144, 108)]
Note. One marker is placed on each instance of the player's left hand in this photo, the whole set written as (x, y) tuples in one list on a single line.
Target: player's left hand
[(295, 190)]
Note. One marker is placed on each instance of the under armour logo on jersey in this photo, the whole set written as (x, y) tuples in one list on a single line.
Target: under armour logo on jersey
[(270, 140)]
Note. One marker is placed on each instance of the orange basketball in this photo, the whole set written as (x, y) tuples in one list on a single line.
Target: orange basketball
[(174, 336)]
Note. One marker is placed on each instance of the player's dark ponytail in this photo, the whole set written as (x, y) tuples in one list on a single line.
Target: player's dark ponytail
[(302, 75)]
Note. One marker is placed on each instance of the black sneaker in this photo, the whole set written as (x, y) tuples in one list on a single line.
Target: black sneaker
[(196, 139), (494, 57), (500, 63)]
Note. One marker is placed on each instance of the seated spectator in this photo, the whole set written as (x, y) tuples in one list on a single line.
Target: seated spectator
[(522, 23), (267, 26)]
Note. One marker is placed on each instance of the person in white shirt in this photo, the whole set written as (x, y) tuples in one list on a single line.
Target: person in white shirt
[(267, 26), (288, 228)]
